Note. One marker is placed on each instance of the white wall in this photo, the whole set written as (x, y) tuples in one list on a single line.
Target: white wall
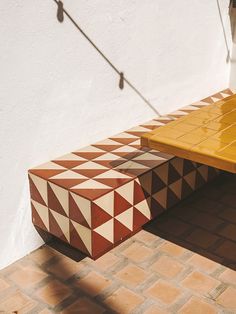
[(57, 94)]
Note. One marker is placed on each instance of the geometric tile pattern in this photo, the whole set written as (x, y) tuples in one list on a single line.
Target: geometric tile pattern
[(96, 197), (206, 135)]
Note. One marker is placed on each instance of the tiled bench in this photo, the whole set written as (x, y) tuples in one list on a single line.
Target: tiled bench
[(96, 197)]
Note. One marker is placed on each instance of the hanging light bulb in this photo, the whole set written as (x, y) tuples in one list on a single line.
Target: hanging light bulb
[(121, 82), (60, 15)]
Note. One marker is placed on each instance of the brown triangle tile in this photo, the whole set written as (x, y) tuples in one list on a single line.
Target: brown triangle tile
[(188, 167), (157, 183), (120, 231), (124, 141), (69, 163), (90, 173), (99, 216), (53, 202), (75, 213), (186, 189), (218, 95), (138, 219), (135, 133), (108, 148), (120, 204), (156, 208), (173, 174), (172, 199), (227, 91), (46, 173), (99, 244), (91, 194), (76, 241), (133, 172), (89, 155), (139, 193), (200, 181), (55, 229), (149, 163), (67, 183), (37, 219), (34, 193), (113, 183), (208, 100)]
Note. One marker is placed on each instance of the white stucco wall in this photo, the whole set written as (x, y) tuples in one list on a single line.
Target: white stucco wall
[(57, 94)]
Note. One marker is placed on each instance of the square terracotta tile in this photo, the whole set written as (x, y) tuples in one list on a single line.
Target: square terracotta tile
[(106, 262), (66, 268), (203, 263), (17, 302), (93, 283), (227, 250), (228, 276), (200, 282), (27, 277), (196, 306), (172, 249), (229, 231), (202, 238), (228, 299), (123, 301), (43, 254), (146, 237), (137, 252), (84, 306), (167, 267), (53, 293), (155, 310), (132, 275), (164, 292)]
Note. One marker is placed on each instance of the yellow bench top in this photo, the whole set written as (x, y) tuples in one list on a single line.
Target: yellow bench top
[(207, 136)]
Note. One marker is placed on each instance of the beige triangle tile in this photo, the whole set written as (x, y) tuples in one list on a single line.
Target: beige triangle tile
[(108, 156), (126, 218), (70, 156), (107, 142), (90, 165), (124, 135), (176, 187), (91, 184), (69, 175), (130, 164), (106, 230), (90, 149), (62, 196), (84, 206), (106, 202), (85, 235), (161, 197), (112, 174), (127, 191), (50, 166), (43, 213), (41, 186), (144, 208), (163, 172), (191, 179), (63, 222), (125, 149)]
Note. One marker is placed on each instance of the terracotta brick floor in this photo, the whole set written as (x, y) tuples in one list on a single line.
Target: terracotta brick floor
[(183, 262)]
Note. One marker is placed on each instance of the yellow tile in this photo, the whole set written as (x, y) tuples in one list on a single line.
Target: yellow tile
[(218, 126)]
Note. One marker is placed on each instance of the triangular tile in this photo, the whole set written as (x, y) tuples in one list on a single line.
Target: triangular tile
[(188, 167), (120, 231), (139, 193), (90, 193), (176, 187), (90, 173), (107, 230), (191, 179), (80, 210), (106, 202), (212, 173), (41, 186), (53, 201), (34, 192), (156, 208), (99, 216), (172, 199), (42, 212), (91, 184), (146, 182), (178, 164), (144, 208), (99, 244), (161, 197), (120, 204), (186, 188), (199, 180), (113, 183), (138, 219), (203, 170), (173, 174), (84, 234), (127, 191), (59, 226), (126, 218), (163, 172), (157, 183)]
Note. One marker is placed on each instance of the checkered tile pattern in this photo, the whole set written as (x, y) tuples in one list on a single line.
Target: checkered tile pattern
[(96, 197)]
